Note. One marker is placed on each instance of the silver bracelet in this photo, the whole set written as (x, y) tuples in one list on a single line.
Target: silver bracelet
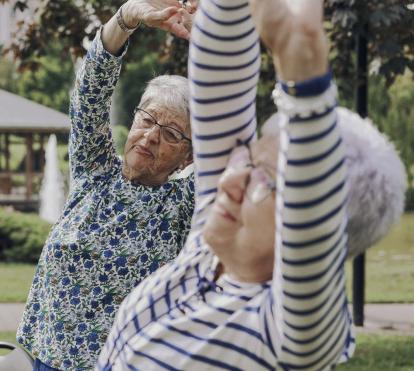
[(122, 24)]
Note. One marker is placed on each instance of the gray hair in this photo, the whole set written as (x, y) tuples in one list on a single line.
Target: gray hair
[(169, 91), (376, 179)]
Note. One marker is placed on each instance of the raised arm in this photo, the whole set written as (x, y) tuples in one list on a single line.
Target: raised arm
[(223, 73), (312, 329), (91, 149)]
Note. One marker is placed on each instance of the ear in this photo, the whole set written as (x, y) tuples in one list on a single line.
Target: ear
[(187, 160)]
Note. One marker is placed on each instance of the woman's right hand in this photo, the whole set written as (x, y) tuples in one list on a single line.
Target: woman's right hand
[(167, 15)]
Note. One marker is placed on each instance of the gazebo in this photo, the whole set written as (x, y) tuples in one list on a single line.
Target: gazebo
[(30, 122)]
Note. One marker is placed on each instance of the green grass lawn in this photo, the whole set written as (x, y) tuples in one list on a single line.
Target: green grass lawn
[(390, 266), (15, 281), (382, 353), (390, 270), (373, 353)]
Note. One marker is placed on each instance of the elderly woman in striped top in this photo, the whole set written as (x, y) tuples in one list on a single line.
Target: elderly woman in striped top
[(260, 284)]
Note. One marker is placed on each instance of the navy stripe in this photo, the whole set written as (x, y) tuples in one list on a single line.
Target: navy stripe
[(224, 38), (316, 222), (229, 8), (315, 309), (210, 173), (192, 356), (227, 115), (303, 328), (223, 23), (318, 158), (205, 323), (311, 203), (245, 329), (269, 308), (308, 243), (224, 98), (313, 259), (207, 192), (315, 137), (312, 277), (210, 67), (312, 116), (313, 294), (156, 361), (224, 82), (223, 53), (223, 344), (225, 133), (313, 181), (323, 356), (226, 152), (318, 346), (335, 318)]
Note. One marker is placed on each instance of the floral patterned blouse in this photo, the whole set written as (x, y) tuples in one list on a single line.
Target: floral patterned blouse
[(112, 233)]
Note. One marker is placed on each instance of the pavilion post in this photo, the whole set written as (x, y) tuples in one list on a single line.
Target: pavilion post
[(7, 151), (29, 166)]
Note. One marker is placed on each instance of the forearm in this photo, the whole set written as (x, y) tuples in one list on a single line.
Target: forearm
[(309, 282), (223, 72), (113, 37), (90, 137)]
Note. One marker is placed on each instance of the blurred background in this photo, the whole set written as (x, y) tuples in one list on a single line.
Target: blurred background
[(41, 44)]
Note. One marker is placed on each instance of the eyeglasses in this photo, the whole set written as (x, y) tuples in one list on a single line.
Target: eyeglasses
[(260, 183), (168, 133)]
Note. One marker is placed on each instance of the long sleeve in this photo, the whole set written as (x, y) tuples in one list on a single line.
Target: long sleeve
[(91, 149), (306, 312), (309, 301), (223, 72)]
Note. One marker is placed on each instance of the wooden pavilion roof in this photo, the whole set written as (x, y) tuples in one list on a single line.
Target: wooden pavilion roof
[(20, 115)]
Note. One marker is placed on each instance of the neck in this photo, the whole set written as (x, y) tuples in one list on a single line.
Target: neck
[(143, 179)]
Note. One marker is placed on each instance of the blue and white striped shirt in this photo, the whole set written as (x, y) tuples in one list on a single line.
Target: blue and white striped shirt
[(181, 318)]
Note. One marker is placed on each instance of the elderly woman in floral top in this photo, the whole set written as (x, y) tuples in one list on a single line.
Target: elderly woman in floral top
[(123, 219)]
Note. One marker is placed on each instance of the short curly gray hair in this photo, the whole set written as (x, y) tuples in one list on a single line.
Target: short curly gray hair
[(169, 91)]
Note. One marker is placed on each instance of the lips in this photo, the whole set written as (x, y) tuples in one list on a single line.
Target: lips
[(143, 151), (226, 214)]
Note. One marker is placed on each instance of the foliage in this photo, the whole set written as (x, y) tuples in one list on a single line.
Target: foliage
[(120, 134), (392, 111), (22, 236), (49, 84)]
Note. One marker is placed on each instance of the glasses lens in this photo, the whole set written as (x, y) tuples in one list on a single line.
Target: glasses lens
[(170, 135), (146, 121), (260, 186)]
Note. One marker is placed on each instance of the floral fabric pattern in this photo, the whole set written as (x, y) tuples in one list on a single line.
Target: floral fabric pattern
[(112, 233)]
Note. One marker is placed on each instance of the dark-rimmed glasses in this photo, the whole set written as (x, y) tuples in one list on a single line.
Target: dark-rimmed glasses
[(168, 133), (260, 183)]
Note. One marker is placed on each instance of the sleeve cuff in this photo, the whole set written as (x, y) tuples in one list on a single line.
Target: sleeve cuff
[(307, 88), (100, 55)]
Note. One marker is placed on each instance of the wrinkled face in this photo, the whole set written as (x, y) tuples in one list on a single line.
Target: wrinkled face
[(148, 158), (241, 225)]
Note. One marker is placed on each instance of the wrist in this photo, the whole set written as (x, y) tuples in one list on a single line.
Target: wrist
[(124, 24)]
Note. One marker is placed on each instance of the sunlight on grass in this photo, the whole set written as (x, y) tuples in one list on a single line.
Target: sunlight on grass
[(382, 352), (15, 281), (390, 266)]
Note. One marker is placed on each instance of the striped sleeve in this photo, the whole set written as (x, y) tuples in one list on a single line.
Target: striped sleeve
[(223, 71), (309, 312)]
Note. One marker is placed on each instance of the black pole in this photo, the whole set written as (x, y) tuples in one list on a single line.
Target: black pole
[(361, 102)]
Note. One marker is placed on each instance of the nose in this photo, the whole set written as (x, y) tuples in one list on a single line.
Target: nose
[(234, 182), (152, 135)]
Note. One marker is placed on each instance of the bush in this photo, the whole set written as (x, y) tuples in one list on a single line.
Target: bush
[(22, 236), (120, 134)]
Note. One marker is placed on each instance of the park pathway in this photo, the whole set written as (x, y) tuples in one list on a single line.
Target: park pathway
[(386, 318)]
